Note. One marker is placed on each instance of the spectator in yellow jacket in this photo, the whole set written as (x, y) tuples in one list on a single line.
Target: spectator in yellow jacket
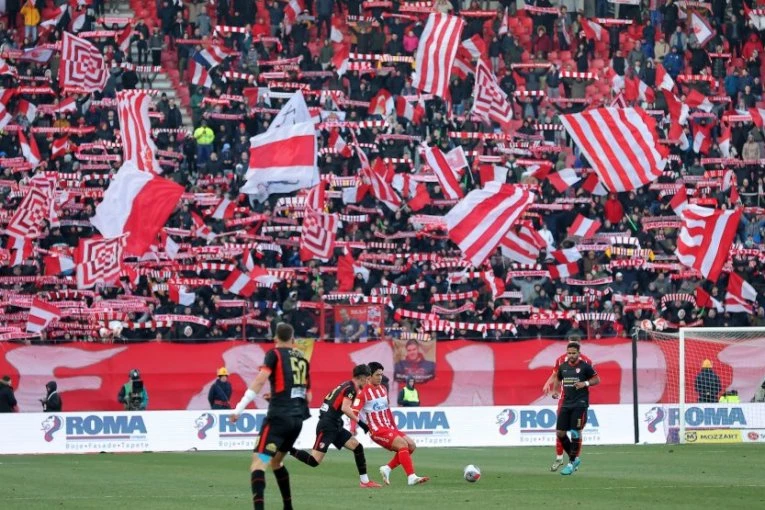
[(31, 20), (205, 138)]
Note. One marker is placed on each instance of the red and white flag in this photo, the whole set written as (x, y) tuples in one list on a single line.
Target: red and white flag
[(61, 146), (27, 109), (463, 64), (29, 149), (291, 11), (82, 65), (135, 130), (476, 47), (758, 116), (316, 198), (283, 159), (479, 221), (637, 90), (337, 143), (705, 238), (563, 270), (122, 38), (740, 295), (593, 30), (28, 217), (620, 143), (199, 75), (68, 105), (41, 314), (201, 229), (5, 116), (57, 263), (52, 16), (663, 79), (136, 204), (317, 237), (240, 283), (435, 53), (705, 300), (412, 112), (379, 186), (489, 172), (566, 255), (489, 100), (724, 142), (756, 16), (583, 227), (701, 29), (696, 99), (347, 269), (179, 294), (99, 260), (522, 246), (563, 179), (20, 248), (448, 177), (382, 104), (224, 210), (679, 201)]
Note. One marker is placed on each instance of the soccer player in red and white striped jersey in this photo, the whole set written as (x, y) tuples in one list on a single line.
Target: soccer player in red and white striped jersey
[(374, 410), (551, 387)]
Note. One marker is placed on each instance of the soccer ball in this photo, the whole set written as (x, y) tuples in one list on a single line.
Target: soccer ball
[(472, 473)]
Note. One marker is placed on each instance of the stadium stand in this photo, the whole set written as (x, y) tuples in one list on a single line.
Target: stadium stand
[(582, 262)]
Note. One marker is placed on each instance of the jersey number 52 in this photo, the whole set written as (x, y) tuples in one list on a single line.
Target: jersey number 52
[(299, 371)]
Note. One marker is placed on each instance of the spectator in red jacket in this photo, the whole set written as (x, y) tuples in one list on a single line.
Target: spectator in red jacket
[(614, 211), (542, 42)]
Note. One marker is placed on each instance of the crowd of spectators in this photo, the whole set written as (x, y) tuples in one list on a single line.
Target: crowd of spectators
[(211, 160)]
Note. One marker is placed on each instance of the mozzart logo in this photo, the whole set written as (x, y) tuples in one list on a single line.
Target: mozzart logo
[(94, 427), (248, 425), (533, 421), (695, 417)]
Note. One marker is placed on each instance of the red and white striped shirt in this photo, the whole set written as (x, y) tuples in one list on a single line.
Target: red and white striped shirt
[(372, 405)]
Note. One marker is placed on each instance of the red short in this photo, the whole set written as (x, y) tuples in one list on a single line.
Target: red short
[(385, 437)]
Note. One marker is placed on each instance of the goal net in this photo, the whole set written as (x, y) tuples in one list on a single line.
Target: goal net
[(714, 385)]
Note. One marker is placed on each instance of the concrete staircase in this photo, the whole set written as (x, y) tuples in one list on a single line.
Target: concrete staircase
[(162, 82)]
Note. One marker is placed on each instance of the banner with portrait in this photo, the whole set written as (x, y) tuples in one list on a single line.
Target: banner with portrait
[(357, 323), (414, 358)]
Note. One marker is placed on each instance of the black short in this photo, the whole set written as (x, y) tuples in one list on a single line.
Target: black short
[(330, 434), (278, 434), (571, 418)]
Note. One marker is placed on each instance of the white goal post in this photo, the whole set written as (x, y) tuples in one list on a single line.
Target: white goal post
[(715, 384)]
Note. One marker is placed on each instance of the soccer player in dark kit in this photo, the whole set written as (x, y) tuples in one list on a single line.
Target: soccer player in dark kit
[(288, 372), (576, 376), (330, 431)]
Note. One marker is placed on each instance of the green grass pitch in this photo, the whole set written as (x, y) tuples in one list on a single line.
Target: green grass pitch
[(645, 477)]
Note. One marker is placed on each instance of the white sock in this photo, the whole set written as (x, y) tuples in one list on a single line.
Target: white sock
[(559, 457), (412, 477), (364, 478)]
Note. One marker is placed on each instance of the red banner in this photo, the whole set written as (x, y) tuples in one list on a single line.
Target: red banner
[(178, 376)]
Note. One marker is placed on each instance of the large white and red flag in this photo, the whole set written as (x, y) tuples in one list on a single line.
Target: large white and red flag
[(283, 159), (240, 283), (701, 29), (479, 221), (621, 145), (138, 204), (435, 53), (705, 238), (489, 100), (317, 237), (563, 179), (448, 176), (99, 260), (26, 221), (41, 314), (82, 65), (476, 46), (135, 130), (740, 295)]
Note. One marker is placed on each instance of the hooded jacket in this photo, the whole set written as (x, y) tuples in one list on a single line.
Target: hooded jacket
[(52, 402)]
